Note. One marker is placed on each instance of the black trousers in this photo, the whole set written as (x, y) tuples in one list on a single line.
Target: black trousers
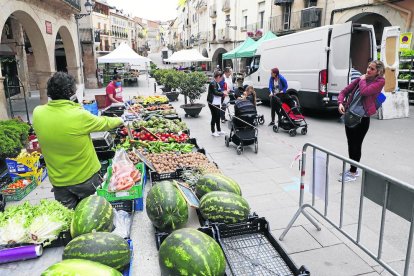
[(215, 117), (223, 111), (70, 196), (275, 105), (355, 137)]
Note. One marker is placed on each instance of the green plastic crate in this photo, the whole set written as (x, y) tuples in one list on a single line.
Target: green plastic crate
[(133, 193), (19, 194)]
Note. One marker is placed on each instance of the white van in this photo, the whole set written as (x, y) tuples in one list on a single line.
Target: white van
[(316, 62)]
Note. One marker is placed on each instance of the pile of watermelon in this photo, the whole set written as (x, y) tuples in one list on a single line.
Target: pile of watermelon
[(94, 250)]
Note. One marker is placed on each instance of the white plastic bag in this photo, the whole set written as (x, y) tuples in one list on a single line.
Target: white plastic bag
[(122, 223)]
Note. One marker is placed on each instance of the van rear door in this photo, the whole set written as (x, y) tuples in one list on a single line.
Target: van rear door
[(390, 45), (338, 60)]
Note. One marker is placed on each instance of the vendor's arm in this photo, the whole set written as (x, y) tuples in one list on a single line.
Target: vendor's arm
[(112, 99), (92, 123)]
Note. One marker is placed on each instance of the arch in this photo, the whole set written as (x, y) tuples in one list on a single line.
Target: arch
[(70, 50), (217, 57), (22, 12)]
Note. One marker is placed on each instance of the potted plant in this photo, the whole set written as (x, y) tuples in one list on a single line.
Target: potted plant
[(192, 85), (171, 80)]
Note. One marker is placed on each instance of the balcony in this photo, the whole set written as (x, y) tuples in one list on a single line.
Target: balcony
[(213, 11), (278, 26), (256, 26), (226, 6), (201, 6), (223, 35), (74, 4)]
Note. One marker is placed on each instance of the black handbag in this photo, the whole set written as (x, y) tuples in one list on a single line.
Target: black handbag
[(351, 119)]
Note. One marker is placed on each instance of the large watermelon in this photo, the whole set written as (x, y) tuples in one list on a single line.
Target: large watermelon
[(216, 182), (166, 206), (92, 213), (224, 207), (190, 252), (77, 267), (105, 248)]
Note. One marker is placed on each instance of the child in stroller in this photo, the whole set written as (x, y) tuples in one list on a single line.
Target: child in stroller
[(247, 93), (243, 131), (290, 117)]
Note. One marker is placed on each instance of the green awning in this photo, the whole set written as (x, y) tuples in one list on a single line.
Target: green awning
[(235, 52), (251, 50)]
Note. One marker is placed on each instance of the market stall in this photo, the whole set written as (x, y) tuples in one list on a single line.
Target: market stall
[(150, 165)]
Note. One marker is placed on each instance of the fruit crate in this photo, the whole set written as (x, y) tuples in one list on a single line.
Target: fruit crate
[(63, 239), (129, 205), (250, 249), (131, 194), (128, 271), (19, 194), (154, 176)]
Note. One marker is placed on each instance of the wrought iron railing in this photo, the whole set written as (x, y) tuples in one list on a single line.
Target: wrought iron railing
[(74, 3)]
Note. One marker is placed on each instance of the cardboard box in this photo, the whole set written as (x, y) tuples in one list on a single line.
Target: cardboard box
[(23, 163)]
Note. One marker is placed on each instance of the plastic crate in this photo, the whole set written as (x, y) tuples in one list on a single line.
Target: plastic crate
[(133, 193), (128, 270), (139, 204), (165, 176), (124, 205), (250, 249), (19, 194), (63, 239)]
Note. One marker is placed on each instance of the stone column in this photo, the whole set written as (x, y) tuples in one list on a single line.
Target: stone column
[(42, 78), (74, 71), (3, 101)]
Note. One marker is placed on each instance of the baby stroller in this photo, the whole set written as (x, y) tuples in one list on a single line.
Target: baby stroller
[(290, 116), (259, 120), (243, 131)]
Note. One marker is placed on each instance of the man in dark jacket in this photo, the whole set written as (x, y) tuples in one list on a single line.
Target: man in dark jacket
[(277, 84)]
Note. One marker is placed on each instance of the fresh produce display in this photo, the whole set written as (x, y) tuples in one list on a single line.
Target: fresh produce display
[(79, 267), (28, 223), (169, 162), (159, 107), (13, 136), (160, 147), (190, 252), (93, 213), (134, 157), (18, 184), (216, 182), (124, 176), (135, 108), (105, 248), (155, 99), (161, 125), (224, 207), (166, 207)]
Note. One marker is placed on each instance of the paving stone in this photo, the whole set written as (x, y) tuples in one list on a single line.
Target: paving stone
[(299, 240)]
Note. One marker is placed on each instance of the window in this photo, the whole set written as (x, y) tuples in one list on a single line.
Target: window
[(214, 31), (245, 22), (310, 3), (99, 25), (261, 20), (286, 16), (254, 65)]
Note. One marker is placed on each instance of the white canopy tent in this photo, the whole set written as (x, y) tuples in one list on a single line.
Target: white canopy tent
[(191, 55), (124, 54)]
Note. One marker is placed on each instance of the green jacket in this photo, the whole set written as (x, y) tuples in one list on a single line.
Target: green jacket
[(63, 129)]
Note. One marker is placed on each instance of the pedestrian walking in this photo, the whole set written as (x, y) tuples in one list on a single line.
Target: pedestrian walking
[(227, 86), (63, 129), (214, 97), (360, 104), (277, 84)]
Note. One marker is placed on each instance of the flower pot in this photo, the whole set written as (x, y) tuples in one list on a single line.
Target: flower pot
[(172, 96), (192, 110)]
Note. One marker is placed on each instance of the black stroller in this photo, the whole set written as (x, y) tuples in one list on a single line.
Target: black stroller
[(243, 131), (290, 116), (259, 120)]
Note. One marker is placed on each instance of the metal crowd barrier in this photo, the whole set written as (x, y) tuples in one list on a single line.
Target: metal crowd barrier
[(386, 191)]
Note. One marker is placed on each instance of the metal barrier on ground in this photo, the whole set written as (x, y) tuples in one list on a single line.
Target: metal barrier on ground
[(390, 193)]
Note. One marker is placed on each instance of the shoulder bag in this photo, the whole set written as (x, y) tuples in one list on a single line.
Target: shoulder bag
[(355, 111)]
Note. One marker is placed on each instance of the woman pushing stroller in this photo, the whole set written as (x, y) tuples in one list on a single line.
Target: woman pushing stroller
[(277, 84)]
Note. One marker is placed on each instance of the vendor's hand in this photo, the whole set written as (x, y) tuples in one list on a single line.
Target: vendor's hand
[(341, 108)]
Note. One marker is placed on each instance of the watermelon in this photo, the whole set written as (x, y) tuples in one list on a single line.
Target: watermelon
[(166, 206), (224, 207), (216, 182), (92, 213), (105, 248), (188, 251), (77, 267)]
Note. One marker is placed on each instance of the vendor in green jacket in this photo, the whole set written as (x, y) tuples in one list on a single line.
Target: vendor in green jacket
[(63, 129)]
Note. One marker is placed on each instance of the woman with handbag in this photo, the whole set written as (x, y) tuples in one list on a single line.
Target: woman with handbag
[(360, 104)]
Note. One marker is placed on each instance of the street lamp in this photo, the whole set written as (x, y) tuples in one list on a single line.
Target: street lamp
[(89, 4), (228, 21)]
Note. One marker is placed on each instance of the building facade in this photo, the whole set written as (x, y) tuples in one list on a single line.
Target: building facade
[(37, 39)]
